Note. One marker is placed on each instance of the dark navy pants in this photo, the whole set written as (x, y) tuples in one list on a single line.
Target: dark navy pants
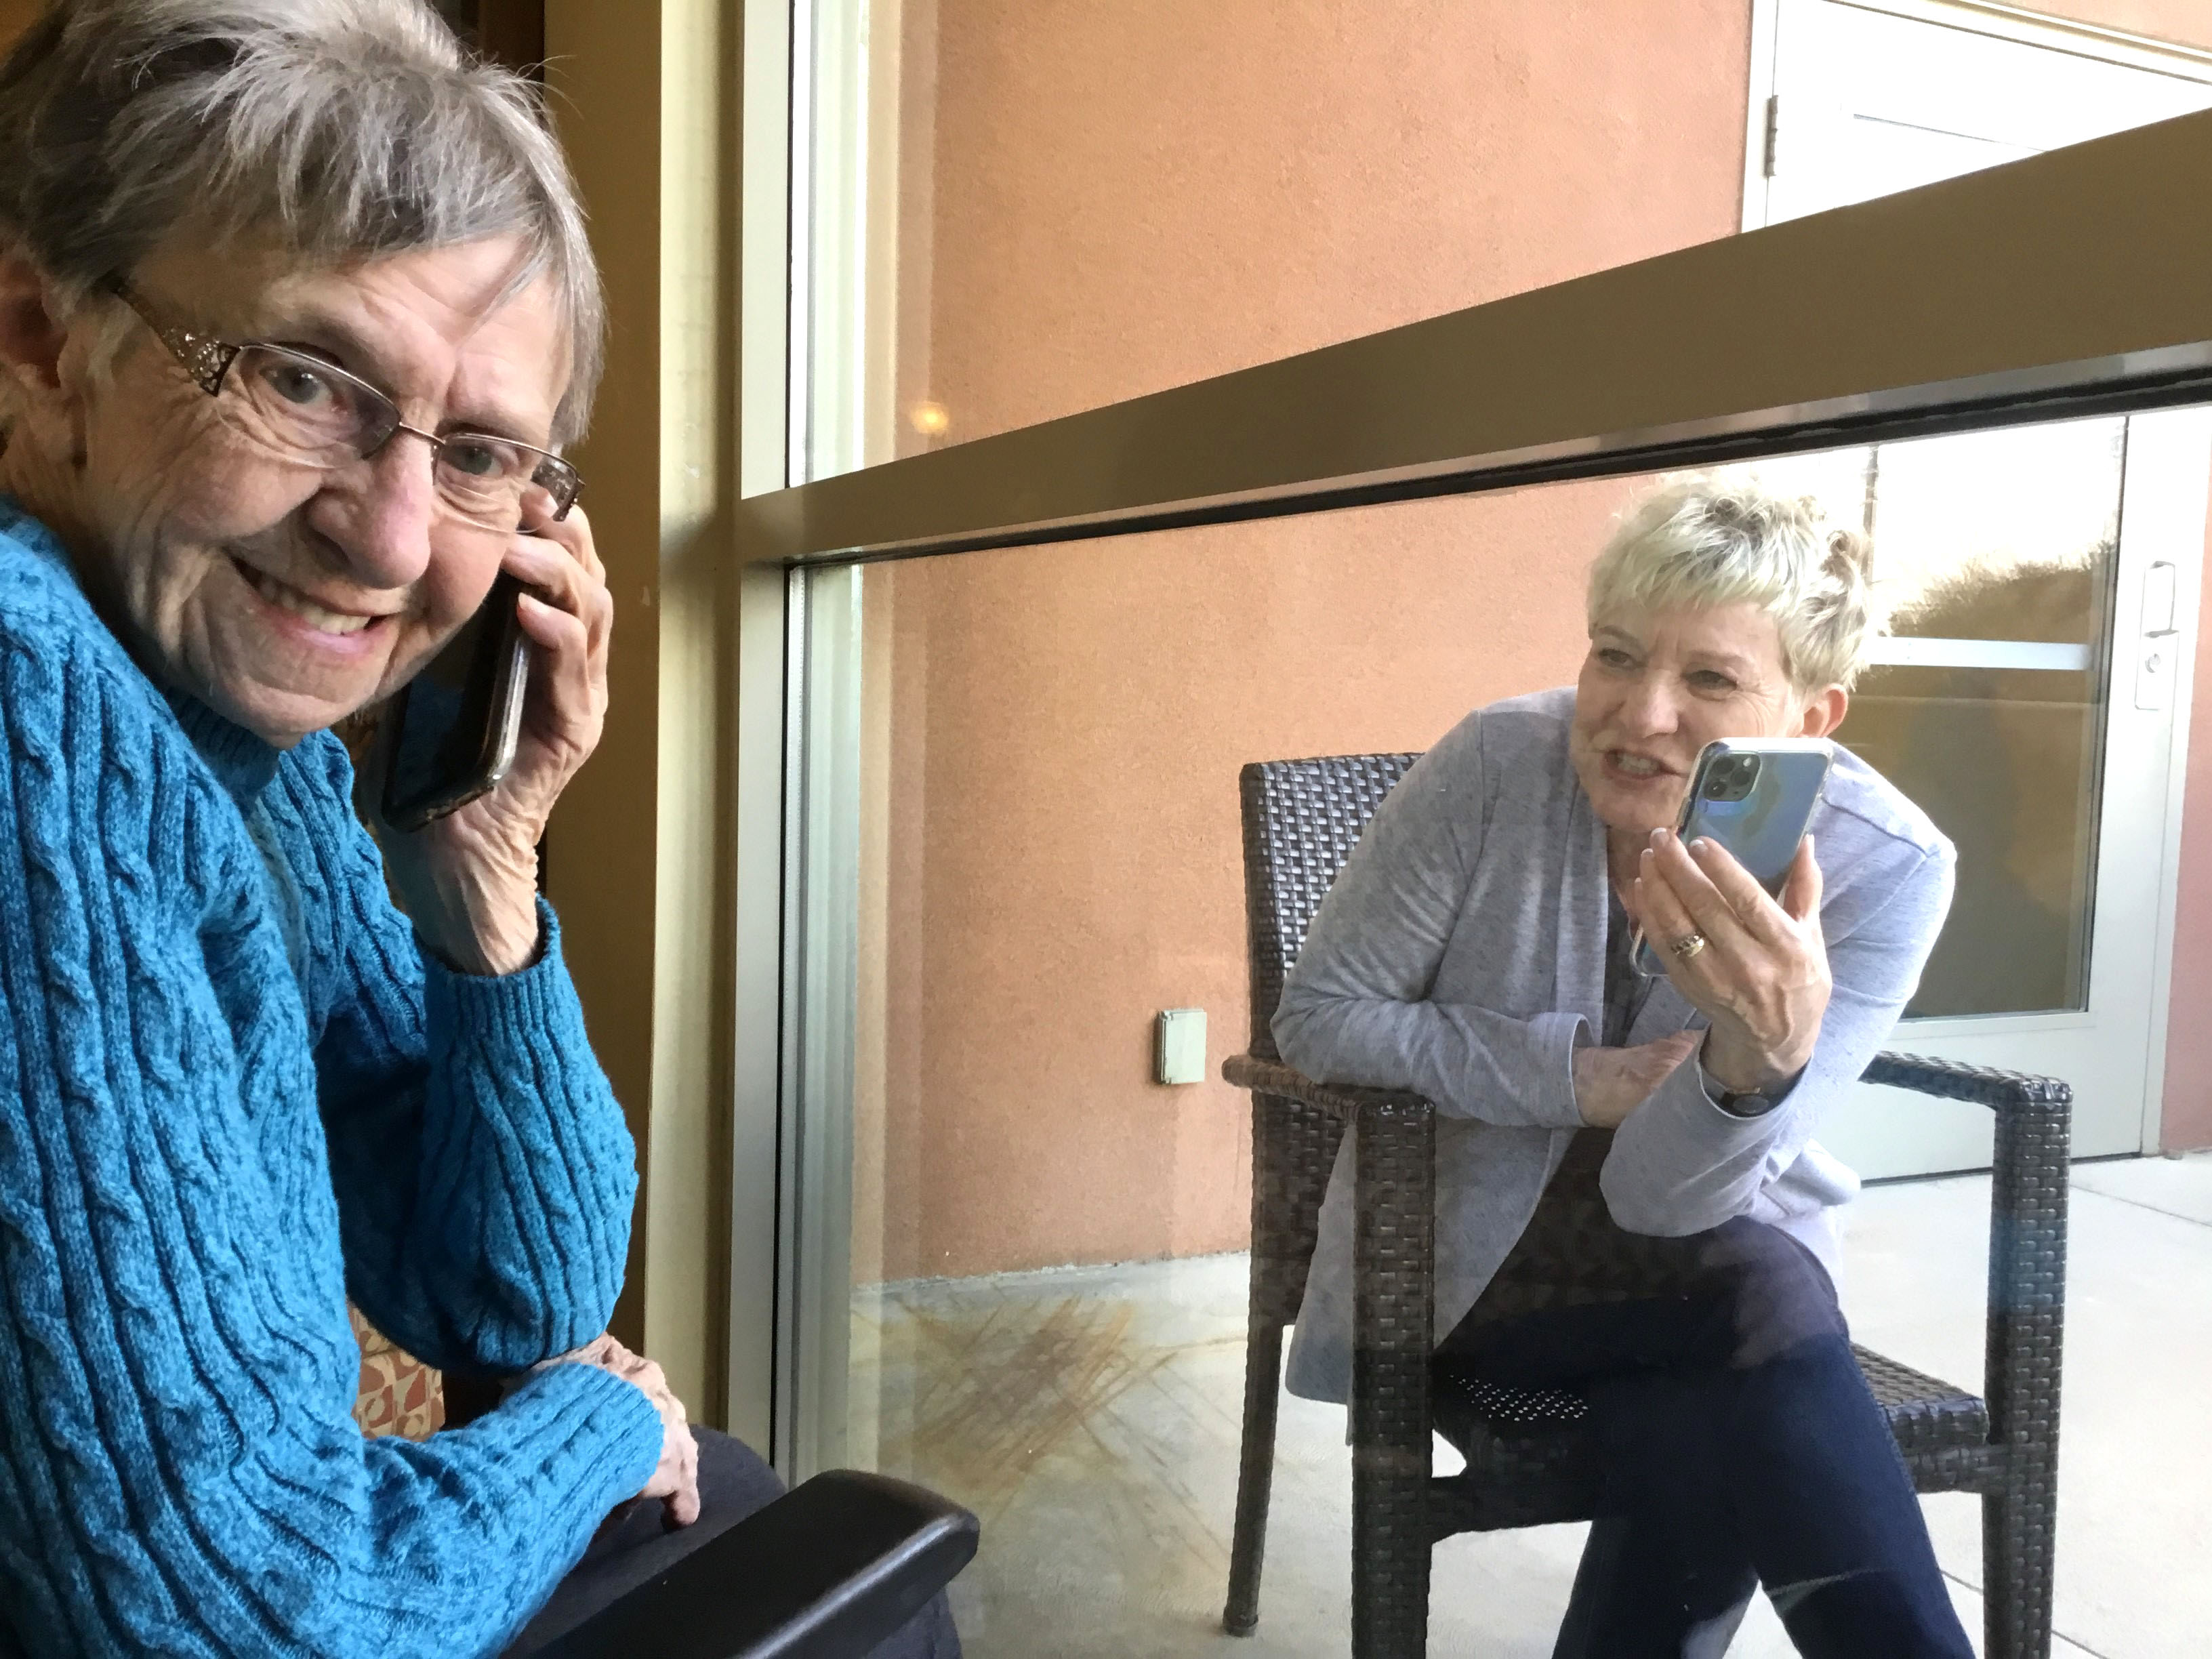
[(632, 1549), (1741, 1448)]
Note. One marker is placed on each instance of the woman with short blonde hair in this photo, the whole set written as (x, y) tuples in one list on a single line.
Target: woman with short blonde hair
[(1475, 949), (1702, 541)]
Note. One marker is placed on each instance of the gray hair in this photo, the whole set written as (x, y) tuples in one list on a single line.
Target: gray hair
[(1704, 540), (342, 129)]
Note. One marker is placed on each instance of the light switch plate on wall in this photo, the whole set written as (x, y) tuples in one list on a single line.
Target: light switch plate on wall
[(1179, 1046)]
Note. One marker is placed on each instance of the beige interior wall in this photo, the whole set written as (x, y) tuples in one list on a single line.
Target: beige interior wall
[(640, 857), (695, 606), (600, 847)]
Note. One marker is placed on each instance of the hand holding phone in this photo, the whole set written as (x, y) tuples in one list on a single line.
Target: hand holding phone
[(1742, 938), (451, 732), (487, 739), (1755, 796)]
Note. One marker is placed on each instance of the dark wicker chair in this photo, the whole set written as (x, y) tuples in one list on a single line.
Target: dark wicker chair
[(1528, 1459)]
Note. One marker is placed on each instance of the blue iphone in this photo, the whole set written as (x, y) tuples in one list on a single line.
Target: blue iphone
[(1754, 796)]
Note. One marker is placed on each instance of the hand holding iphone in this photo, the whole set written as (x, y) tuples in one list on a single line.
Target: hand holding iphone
[(1754, 796)]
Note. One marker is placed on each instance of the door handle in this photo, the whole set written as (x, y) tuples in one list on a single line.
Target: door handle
[(2153, 671), (2159, 600)]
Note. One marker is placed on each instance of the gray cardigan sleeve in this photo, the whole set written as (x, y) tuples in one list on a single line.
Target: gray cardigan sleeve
[(1356, 1007), (1681, 1164)]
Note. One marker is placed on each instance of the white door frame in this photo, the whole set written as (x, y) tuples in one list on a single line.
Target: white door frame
[(1761, 143), (1988, 17), (2188, 602)]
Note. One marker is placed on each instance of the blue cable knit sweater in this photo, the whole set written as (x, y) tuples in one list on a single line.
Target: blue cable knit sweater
[(233, 1090)]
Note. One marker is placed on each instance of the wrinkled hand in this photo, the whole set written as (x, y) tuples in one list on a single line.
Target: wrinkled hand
[(675, 1478), (469, 881), (1611, 1083), (1762, 979)]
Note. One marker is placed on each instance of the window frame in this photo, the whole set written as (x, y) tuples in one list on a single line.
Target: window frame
[(1868, 323)]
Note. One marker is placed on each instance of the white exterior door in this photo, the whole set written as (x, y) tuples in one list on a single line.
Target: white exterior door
[(2046, 586)]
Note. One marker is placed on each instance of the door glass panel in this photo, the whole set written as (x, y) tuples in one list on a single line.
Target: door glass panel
[(1997, 555), (2048, 765)]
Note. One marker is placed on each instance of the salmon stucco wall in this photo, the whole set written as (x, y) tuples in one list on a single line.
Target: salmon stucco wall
[(1127, 197), (1095, 206)]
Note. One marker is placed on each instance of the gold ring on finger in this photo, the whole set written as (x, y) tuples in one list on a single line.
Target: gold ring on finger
[(1688, 946)]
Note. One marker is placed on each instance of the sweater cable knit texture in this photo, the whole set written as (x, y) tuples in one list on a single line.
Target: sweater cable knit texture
[(232, 1091)]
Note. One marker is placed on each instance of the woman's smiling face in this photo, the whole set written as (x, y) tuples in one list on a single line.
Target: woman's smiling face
[(1659, 684), (283, 594)]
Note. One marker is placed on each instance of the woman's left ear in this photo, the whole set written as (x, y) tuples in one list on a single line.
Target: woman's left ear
[(1825, 712), (32, 340), (31, 336)]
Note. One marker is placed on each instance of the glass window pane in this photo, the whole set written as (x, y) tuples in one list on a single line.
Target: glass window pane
[(1039, 1305), (1016, 210), (1049, 1284), (1086, 204)]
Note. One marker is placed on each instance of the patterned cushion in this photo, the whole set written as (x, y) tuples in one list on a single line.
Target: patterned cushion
[(400, 1394)]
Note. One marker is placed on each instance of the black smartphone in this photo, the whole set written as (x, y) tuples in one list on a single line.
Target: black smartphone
[(1754, 796), (449, 734)]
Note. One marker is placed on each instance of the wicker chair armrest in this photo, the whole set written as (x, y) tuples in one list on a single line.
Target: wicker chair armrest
[(2027, 1244), (1393, 1285), (1952, 1080), (1344, 1100)]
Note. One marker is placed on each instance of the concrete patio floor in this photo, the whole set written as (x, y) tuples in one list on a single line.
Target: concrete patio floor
[(1090, 1416)]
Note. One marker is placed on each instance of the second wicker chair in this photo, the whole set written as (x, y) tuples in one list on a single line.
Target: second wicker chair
[(1529, 1458)]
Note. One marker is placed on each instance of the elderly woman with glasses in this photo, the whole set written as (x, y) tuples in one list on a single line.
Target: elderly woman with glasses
[(296, 317), (1655, 1132)]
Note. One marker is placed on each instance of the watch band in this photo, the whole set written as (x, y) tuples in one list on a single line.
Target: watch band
[(1748, 1104)]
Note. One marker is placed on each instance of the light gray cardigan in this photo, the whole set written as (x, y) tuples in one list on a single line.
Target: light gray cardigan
[(1461, 954)]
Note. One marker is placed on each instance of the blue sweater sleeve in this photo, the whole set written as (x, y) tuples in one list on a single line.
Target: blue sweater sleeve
[(179, 1471), (484, 1175)]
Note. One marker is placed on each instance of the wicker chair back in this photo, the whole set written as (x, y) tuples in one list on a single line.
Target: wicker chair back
[(1301, 820)]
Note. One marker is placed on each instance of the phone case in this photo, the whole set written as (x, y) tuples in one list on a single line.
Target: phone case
[(449, 736), (1763, 827)]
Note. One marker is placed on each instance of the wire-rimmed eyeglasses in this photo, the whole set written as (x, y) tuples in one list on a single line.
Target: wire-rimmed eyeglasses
[(307, 406)]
